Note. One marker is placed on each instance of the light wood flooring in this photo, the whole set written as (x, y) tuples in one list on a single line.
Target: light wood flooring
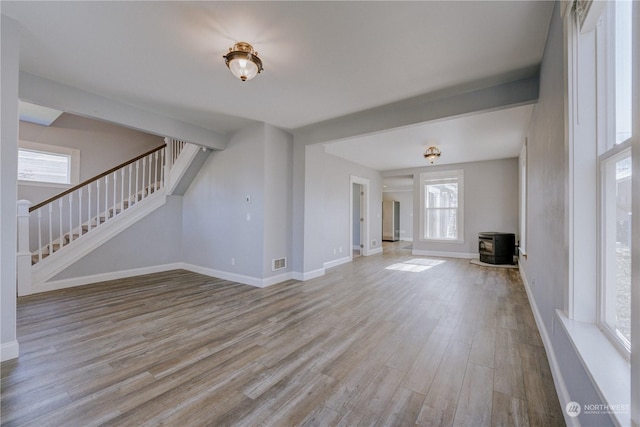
[(388, 340)]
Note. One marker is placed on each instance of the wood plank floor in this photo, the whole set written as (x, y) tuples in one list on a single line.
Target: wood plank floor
[(390, 339)]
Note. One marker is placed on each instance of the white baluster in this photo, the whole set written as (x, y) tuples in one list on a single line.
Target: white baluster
[(39, 234), (60, 238), (89, 217), (150, 167), (115, 188), (155, 174), (97, 203), (162, 170), (122, 189), (70, 217), (50, 228), (129, 196), (144, 162), (80, 211), (137, 179), (106, 198)]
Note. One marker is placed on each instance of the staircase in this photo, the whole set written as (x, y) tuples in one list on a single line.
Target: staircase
[(57, 232)]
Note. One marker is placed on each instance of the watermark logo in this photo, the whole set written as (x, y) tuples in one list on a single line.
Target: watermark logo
[(573, 409)]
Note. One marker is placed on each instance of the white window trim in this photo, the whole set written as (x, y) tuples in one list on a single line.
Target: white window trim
[(74, 154), (453, 174)]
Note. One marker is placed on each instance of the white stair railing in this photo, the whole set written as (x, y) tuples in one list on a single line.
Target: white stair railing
[(76, 212), (174, 148)]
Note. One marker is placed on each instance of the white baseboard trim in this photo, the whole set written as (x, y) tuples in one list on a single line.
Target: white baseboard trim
[(375, 251), (337, 262), (556, 373), (297, 275), (9, 350), (239, 278), (103, 277), (225, 275), (444, 254), (268, 281)]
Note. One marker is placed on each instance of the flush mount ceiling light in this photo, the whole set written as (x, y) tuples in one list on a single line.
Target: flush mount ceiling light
[(432, 154), (243, 61)]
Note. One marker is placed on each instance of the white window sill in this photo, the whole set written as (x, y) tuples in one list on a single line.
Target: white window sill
[(44, 184), (441, 240), (609, 371)]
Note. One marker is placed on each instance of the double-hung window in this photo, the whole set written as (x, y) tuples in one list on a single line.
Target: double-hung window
[(615, 175), (47, 164), (442, 201)]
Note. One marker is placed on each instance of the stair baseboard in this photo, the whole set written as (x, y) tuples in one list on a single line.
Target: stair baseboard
[(54, 285)]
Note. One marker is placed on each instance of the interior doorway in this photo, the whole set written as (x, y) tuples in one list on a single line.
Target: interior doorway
[(359, 216), (356, 219)]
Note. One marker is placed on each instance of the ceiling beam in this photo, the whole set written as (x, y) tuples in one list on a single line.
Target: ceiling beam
[(473, 98), (49, 93)]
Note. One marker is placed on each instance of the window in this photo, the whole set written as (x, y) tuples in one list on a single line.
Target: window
[(616, 247), (615, 180), (623, 77), (601, 271), (442, 198), (41, 163)]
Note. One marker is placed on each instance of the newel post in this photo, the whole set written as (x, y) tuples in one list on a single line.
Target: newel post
[(24, 254), (168, 158), (168, 164)]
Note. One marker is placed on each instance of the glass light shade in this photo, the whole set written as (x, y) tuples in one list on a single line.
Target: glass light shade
[(243, 68), (243, 61), (432, 154)]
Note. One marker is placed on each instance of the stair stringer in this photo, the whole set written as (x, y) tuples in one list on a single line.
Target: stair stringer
[(79, 248), (185, 168)]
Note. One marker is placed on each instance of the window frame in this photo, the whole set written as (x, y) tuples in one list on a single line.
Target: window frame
[(74, 163), (432, 176), (585, 58), (608, 151)]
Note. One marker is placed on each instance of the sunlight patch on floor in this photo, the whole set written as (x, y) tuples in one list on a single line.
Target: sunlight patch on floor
[(416, 265)]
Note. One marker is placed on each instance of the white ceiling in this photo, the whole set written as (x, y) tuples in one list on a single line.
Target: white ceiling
[(492, 135), (322, 60)]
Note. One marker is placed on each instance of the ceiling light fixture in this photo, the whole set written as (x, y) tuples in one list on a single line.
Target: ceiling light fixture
[(432, 154), (243, 61)]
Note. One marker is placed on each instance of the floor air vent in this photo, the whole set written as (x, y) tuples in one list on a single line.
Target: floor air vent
[(279, 264)]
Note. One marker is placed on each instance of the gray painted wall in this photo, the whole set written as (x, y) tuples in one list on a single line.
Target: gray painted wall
[(220, 224), (278, 190), (216, 228), (547, 260), (328, 203), (490, 202), (155, 240), (9, 66), (102, 146), (406, 211)]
